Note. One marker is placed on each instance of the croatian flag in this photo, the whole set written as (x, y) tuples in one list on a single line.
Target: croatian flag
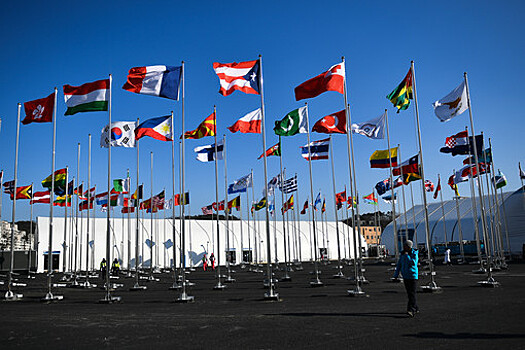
[(318, 149), (161, 81), (207, 153), (242, 76), (159, 128)]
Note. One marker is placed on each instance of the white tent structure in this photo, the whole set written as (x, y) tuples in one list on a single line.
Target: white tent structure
[(513, 206), (200, 238)]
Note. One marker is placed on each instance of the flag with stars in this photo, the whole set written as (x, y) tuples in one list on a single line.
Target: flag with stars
[(242, 76), (158, 128)]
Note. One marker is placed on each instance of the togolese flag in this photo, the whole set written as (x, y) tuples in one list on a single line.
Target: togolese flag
[(402, 94), (88, 97)]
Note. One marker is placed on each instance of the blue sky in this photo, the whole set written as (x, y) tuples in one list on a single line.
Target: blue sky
[(48, 44)]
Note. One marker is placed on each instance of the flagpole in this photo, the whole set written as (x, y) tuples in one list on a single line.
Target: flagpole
[(297, 218), (496, 226), (75, 282), (460, 232), (64, 244), (317, 282), (286, 276), (49, 296), (248, 214), (476, 220), (137, 286), (86, 283), (413, 213), (490, 282), (9, 295), (443, 213), (403, 192), (30, 230), (219, 285), (394, 221), (432, 286), (151, 207), (491, 224), (254, 227), (227, 212), (339, 267), (173, 231)]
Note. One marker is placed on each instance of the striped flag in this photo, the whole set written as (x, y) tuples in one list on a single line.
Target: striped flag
[(160, 80), (289, 185), (403, 93), (318, 150), (88, 97), (242, 76), (41, 197)]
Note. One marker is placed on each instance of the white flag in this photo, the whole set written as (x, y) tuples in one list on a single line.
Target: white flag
[(207, 153), (122, 135), (374, 128), (453, 104)]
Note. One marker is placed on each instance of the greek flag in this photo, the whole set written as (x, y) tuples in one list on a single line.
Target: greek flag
[(289, 185)]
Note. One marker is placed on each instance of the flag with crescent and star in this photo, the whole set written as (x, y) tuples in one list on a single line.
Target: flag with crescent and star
[(334, 123), (293, 123), (373, 129)]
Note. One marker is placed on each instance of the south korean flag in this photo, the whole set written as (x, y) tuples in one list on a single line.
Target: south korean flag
[(122, 134)]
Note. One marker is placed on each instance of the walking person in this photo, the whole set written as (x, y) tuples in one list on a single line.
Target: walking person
[(204, 262), (447, 257), (212, 261), (407, 266)]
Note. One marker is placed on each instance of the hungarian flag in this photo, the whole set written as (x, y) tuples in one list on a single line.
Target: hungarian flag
[(438, 188), (275, 150), (250, 123), (408, 166), (41, 197), (207, 128), (23, 192), (39, 111), (158, 128), (185, 200), (161, 81), (334, 123), (305, 206), (331, 80), (382, 159), (293, 123), (88, 97), (403, 93), (60, 181), (242, 76)]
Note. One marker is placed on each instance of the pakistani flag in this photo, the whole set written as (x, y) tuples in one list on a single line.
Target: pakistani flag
[(293, 123), (499, 180)]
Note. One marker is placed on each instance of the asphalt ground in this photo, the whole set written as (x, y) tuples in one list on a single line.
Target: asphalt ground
[(464, 315)]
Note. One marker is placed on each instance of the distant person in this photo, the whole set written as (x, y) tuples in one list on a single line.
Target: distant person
[(204, 262), (447, 257), (212, 261), (407, 265), (103, 267), (115, 267)]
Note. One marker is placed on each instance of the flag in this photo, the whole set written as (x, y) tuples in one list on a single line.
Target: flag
[(429, 186), (453, 104), (453, 185), (219, 207), (289, 185), (161, 81), (241, 185), (43, 197), (250, 123), (242, 76), (371, 199), (9, 187), (88, 97), (331, 80), (207, 128), (275, 150), (207, 210), (334, 123), (39, 111), (468, 171), (388, 198), (408, 166), (91, 192), (23, 192), (101, 198), (126, 210), (168, 244), (351, 202), (438, 188), (293, 123), (402, 94), (84, 205), (317, 200), (158, 128), (158, 200), (340, 198), (408, 178), (235, 203), (274, 182), (271, 207), (185, 200), (288, 204), (150, 243), (121, 185), (382, 186), (61, 201), (122, 135), (60, 182), (207, 153), (499, 180), (380, 159), (484, 157), (305, 206), (323, 208), (116, 199), (259, 205), (373, 129), (461, 143), (137, 195), (78, 190), (399, 182), (318, 150)]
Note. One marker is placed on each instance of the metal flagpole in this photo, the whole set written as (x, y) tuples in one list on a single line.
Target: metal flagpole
[(432, 286), (296, 212), (240, 216), (65, 244), (443, 213), (227, 212), (9, 295), (413, 214), (271, 294), (30, 231), (310, 208), (49, 296), (286, 277), (129, 225), (394, 221), (255, 250), (460, 232), (175, 285), (490, 282), (151, 207), (75, 282), (476, 222), (492, 226), (403, 192), (108, 298), (317, 282), (219, 285), (86, 283), (248, 215), (339, 274)]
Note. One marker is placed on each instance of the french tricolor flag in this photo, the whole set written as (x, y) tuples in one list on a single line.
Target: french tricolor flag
[(161, 81)]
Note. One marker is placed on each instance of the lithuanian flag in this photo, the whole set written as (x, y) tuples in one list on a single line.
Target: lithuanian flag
[(206, 128), (61, 201), (402, 94)]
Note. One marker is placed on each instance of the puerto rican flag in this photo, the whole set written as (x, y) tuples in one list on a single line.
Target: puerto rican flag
[(318, 149), (250, 123), (161, 81), (242, 76), (158, 128)]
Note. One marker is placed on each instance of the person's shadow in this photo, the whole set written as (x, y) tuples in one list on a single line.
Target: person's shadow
[(347, 314)]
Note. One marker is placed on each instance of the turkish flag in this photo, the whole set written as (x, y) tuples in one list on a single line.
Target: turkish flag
[(334, 123), (39, 111), (331, 80)]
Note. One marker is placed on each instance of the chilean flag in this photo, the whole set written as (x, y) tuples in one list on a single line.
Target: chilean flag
[(158, 128), (161, 81), (331, 80), (250, 123)]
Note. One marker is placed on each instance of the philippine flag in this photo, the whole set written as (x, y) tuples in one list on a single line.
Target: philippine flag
[(161, 81), (158, 128), (318, 149), (250, 123)]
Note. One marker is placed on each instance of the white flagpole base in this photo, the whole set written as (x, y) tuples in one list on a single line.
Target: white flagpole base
[(219, 286), (185, 298), (109, 299), (340, 274), (432, 287), (10, 296), (490, 283), (316, 283), (52, 298), (272, 296), (137, 287), (357, 292)]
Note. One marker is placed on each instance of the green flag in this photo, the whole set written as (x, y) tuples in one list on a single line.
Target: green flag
[(260, 205), (402, 94), (121, 185), (293, 123)]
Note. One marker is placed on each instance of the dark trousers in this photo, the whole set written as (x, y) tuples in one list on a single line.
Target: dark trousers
[(411, 286)]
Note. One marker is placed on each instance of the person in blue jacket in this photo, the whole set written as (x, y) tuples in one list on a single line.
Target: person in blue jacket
[(407, 265)]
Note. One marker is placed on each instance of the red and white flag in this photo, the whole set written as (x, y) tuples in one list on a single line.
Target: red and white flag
[(429, 186), (242, 76), (39, 111), (438, 188), (331, 80), (334, 123), (250, 123), (41, 197)]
